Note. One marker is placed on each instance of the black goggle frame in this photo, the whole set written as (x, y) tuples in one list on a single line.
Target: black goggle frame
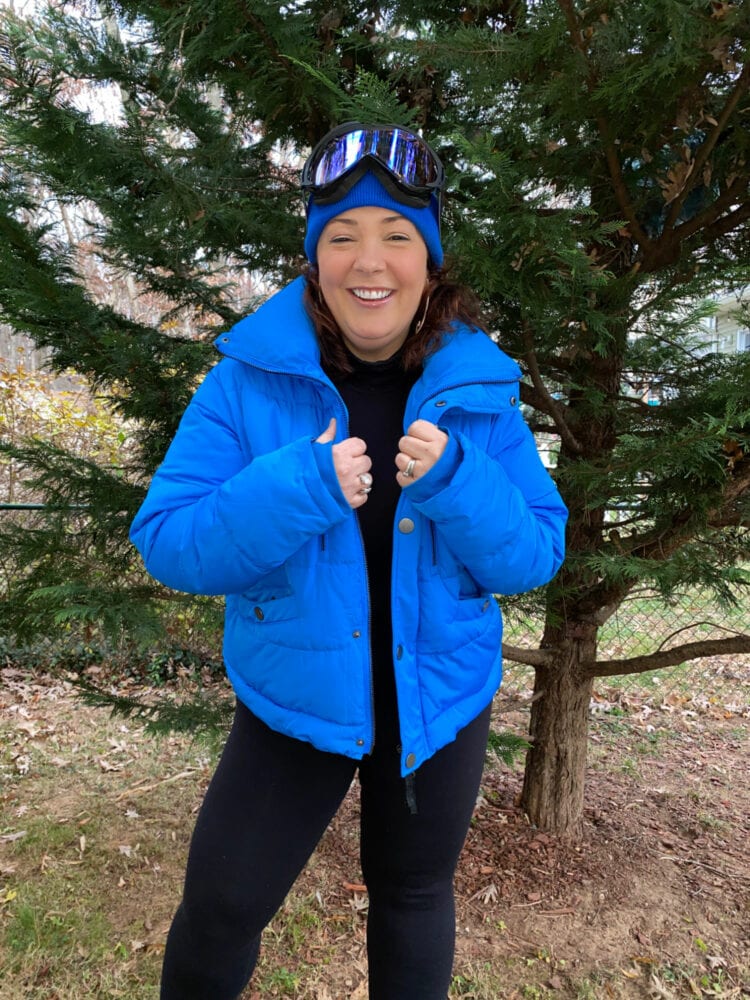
[(405, 164)]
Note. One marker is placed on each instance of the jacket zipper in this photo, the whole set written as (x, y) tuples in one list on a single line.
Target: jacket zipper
[(420, 407), (369, 637), (317, 381)]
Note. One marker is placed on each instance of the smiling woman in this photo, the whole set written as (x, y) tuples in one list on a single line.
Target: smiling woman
[(372, 268), (371, 487)]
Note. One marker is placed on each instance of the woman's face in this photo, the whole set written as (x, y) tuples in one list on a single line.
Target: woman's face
[(372, 267)]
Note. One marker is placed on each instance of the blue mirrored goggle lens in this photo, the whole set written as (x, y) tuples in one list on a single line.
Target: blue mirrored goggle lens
[(404, 155)]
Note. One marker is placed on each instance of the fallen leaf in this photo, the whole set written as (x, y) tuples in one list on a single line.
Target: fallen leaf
[(30, 728), (488, 895)]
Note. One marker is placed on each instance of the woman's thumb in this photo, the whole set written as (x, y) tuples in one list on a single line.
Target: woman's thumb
[(329, 433)]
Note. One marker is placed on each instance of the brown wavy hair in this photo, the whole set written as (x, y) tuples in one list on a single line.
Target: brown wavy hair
[(443, 303)]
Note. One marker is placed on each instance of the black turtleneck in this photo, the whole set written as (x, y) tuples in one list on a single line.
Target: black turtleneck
[(375, 395)]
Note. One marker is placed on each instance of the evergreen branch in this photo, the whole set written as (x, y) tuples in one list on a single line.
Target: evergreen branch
[(610, 152), (661, 543), (265, 36), (181, 81), (331, 86), (551, 406), (530, 657), (206, 714), (705, 150), (668, 657)]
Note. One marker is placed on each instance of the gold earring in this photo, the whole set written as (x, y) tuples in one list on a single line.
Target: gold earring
[(420, 324)]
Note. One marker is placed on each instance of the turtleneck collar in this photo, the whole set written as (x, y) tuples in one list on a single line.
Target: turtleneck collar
[(376, 376)]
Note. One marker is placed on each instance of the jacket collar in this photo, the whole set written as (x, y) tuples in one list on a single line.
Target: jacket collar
[(279, 337)]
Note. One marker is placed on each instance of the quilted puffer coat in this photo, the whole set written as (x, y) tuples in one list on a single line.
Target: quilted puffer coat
[(247, 504)]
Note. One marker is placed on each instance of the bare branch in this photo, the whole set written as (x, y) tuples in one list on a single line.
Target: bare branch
[(668, 657), (551, 405), (712, 214), (737, 520), (531, 657), (726, 224)]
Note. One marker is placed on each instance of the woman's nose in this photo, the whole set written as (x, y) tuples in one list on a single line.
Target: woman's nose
[(370, 256)]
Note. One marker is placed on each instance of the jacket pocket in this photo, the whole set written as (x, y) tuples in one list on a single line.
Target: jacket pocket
[(272, 599), (457, 580)]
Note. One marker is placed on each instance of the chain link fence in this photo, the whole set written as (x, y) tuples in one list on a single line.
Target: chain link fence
[(643, 624)]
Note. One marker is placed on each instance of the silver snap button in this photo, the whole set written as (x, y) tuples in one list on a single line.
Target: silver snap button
[(406, 526)]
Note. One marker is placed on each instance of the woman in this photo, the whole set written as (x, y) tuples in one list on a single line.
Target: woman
[(356, 477)]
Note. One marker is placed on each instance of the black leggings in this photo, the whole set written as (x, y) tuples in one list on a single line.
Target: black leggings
[(265, 810)]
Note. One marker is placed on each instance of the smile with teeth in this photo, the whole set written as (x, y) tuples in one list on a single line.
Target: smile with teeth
[(372, 294)]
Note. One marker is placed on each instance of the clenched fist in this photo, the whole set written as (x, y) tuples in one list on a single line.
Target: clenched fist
[(350, 460), (419, 449)]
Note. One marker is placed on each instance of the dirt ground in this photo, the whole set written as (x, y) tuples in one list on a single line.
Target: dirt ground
[(654, 902)]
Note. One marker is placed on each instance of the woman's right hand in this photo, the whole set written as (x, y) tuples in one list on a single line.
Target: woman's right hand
[(350, 460)]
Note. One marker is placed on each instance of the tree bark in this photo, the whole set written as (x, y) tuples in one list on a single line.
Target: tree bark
[(554, 779)]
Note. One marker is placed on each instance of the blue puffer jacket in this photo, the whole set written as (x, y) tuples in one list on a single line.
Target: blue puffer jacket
[(247, 504)]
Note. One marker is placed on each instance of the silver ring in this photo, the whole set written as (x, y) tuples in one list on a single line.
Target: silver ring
[(366, 479), (409, 470), (366, 489)]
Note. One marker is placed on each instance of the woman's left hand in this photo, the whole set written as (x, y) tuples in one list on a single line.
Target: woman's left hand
[(419, 449)]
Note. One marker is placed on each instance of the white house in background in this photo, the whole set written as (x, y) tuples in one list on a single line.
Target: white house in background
[(728, 329)]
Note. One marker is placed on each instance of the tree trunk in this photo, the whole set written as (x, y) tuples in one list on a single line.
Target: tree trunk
[(553, 785)]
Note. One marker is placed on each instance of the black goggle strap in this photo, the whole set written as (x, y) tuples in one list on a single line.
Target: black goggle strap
[(337, 189)]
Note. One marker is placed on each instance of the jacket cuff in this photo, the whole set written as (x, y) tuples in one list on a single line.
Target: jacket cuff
[(440, 475), (323, 455)]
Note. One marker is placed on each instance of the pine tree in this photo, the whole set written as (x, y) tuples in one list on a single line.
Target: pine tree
[(599, 170)]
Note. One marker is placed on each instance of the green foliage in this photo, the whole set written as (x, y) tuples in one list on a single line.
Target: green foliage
[(598, 161), (206, 715), (507, 746)]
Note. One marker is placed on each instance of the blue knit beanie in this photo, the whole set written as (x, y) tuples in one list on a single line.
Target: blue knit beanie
[(369, 191)]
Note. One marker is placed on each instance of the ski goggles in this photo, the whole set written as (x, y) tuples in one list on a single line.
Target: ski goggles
[(409, 170)]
